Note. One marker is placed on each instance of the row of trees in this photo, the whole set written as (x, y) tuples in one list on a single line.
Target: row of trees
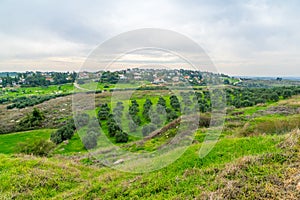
[(23, 102), (153, 118)]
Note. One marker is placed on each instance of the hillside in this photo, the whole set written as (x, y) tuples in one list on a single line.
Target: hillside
[(46, 152), (262, 167)]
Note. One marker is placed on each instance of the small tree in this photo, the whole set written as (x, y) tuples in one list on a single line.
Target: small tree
[(89, 141), (82, 119), (147, 106), (161, 101), (174, 102), (171, 115), (148, 129), (287, 94), (104, 112), (32, 120), (64, 133), (132, 126), (121, 137), (112, 126)]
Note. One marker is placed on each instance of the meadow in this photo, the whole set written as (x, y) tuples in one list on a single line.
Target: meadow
[(255, 157)]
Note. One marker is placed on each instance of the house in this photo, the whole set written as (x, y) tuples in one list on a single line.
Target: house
[(83, 75), (158, 81), (49, 79), (122, 77), (175, 79)]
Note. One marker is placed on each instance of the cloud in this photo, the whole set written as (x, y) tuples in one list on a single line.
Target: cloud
[(241, 37)]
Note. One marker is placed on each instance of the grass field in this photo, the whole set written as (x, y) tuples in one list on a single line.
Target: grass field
[(8, 142), (28, 91), (256, 156), (189, 177)]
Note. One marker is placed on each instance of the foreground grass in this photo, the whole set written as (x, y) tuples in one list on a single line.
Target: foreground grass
[(27, 177), (8, 142)]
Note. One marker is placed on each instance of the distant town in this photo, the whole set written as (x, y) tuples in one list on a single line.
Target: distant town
[(154, 76)]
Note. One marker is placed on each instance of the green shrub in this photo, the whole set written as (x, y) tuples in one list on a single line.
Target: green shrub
[(121, 137), (82, 119), (39, 147), (31, 120), (89, 141), (64, 133), (148, 129)]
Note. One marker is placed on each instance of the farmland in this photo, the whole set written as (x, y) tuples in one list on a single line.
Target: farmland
[(255, 154)]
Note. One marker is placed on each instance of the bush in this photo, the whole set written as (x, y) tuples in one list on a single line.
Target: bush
[(40, 147), (56, 137), (32, 120), (148, 129), (64, 133), (121, 137), (104, 112), (171, 115), (89, 141), (132, 126), (82, 119)]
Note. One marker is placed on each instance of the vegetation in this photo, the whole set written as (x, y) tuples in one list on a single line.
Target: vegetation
[(10, 142), (256, 156), (39, 147), (32, 120), (23, 102), (64, 133)]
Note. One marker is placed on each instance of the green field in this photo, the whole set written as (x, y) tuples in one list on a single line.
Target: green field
[(255, 155), (29, 91), (8, 142), (63, 178)]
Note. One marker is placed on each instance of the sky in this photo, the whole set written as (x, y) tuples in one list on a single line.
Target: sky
[(250, 38)]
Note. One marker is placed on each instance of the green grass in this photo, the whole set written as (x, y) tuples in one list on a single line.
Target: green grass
[(60, 178), (8, 142), (106, 86), (45, 90)]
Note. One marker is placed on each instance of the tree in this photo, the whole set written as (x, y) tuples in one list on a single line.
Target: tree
[(121, 137), (155, 119), (82, 119), (287, 94), (148, 129), (112, 126), (64, 133), (174, 102), (132, 126), (137, 120), (226, 82), (274, 97), (161, 101), (103, 112), (147, 106), (171, 115), (32, 120), (109, 77), (246, 103), (56, 137), (89, 141)]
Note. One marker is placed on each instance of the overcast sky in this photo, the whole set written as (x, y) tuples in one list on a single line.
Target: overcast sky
[(241, 37)]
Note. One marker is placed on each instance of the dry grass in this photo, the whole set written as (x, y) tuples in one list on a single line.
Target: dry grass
[(270, 176), (270, 126)]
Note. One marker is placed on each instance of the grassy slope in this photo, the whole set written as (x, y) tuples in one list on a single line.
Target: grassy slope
[(47, 90), (30, 177), (237, 168), (8, 142)]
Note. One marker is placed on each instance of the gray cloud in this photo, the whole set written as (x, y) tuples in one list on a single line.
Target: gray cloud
[(241, 37)]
